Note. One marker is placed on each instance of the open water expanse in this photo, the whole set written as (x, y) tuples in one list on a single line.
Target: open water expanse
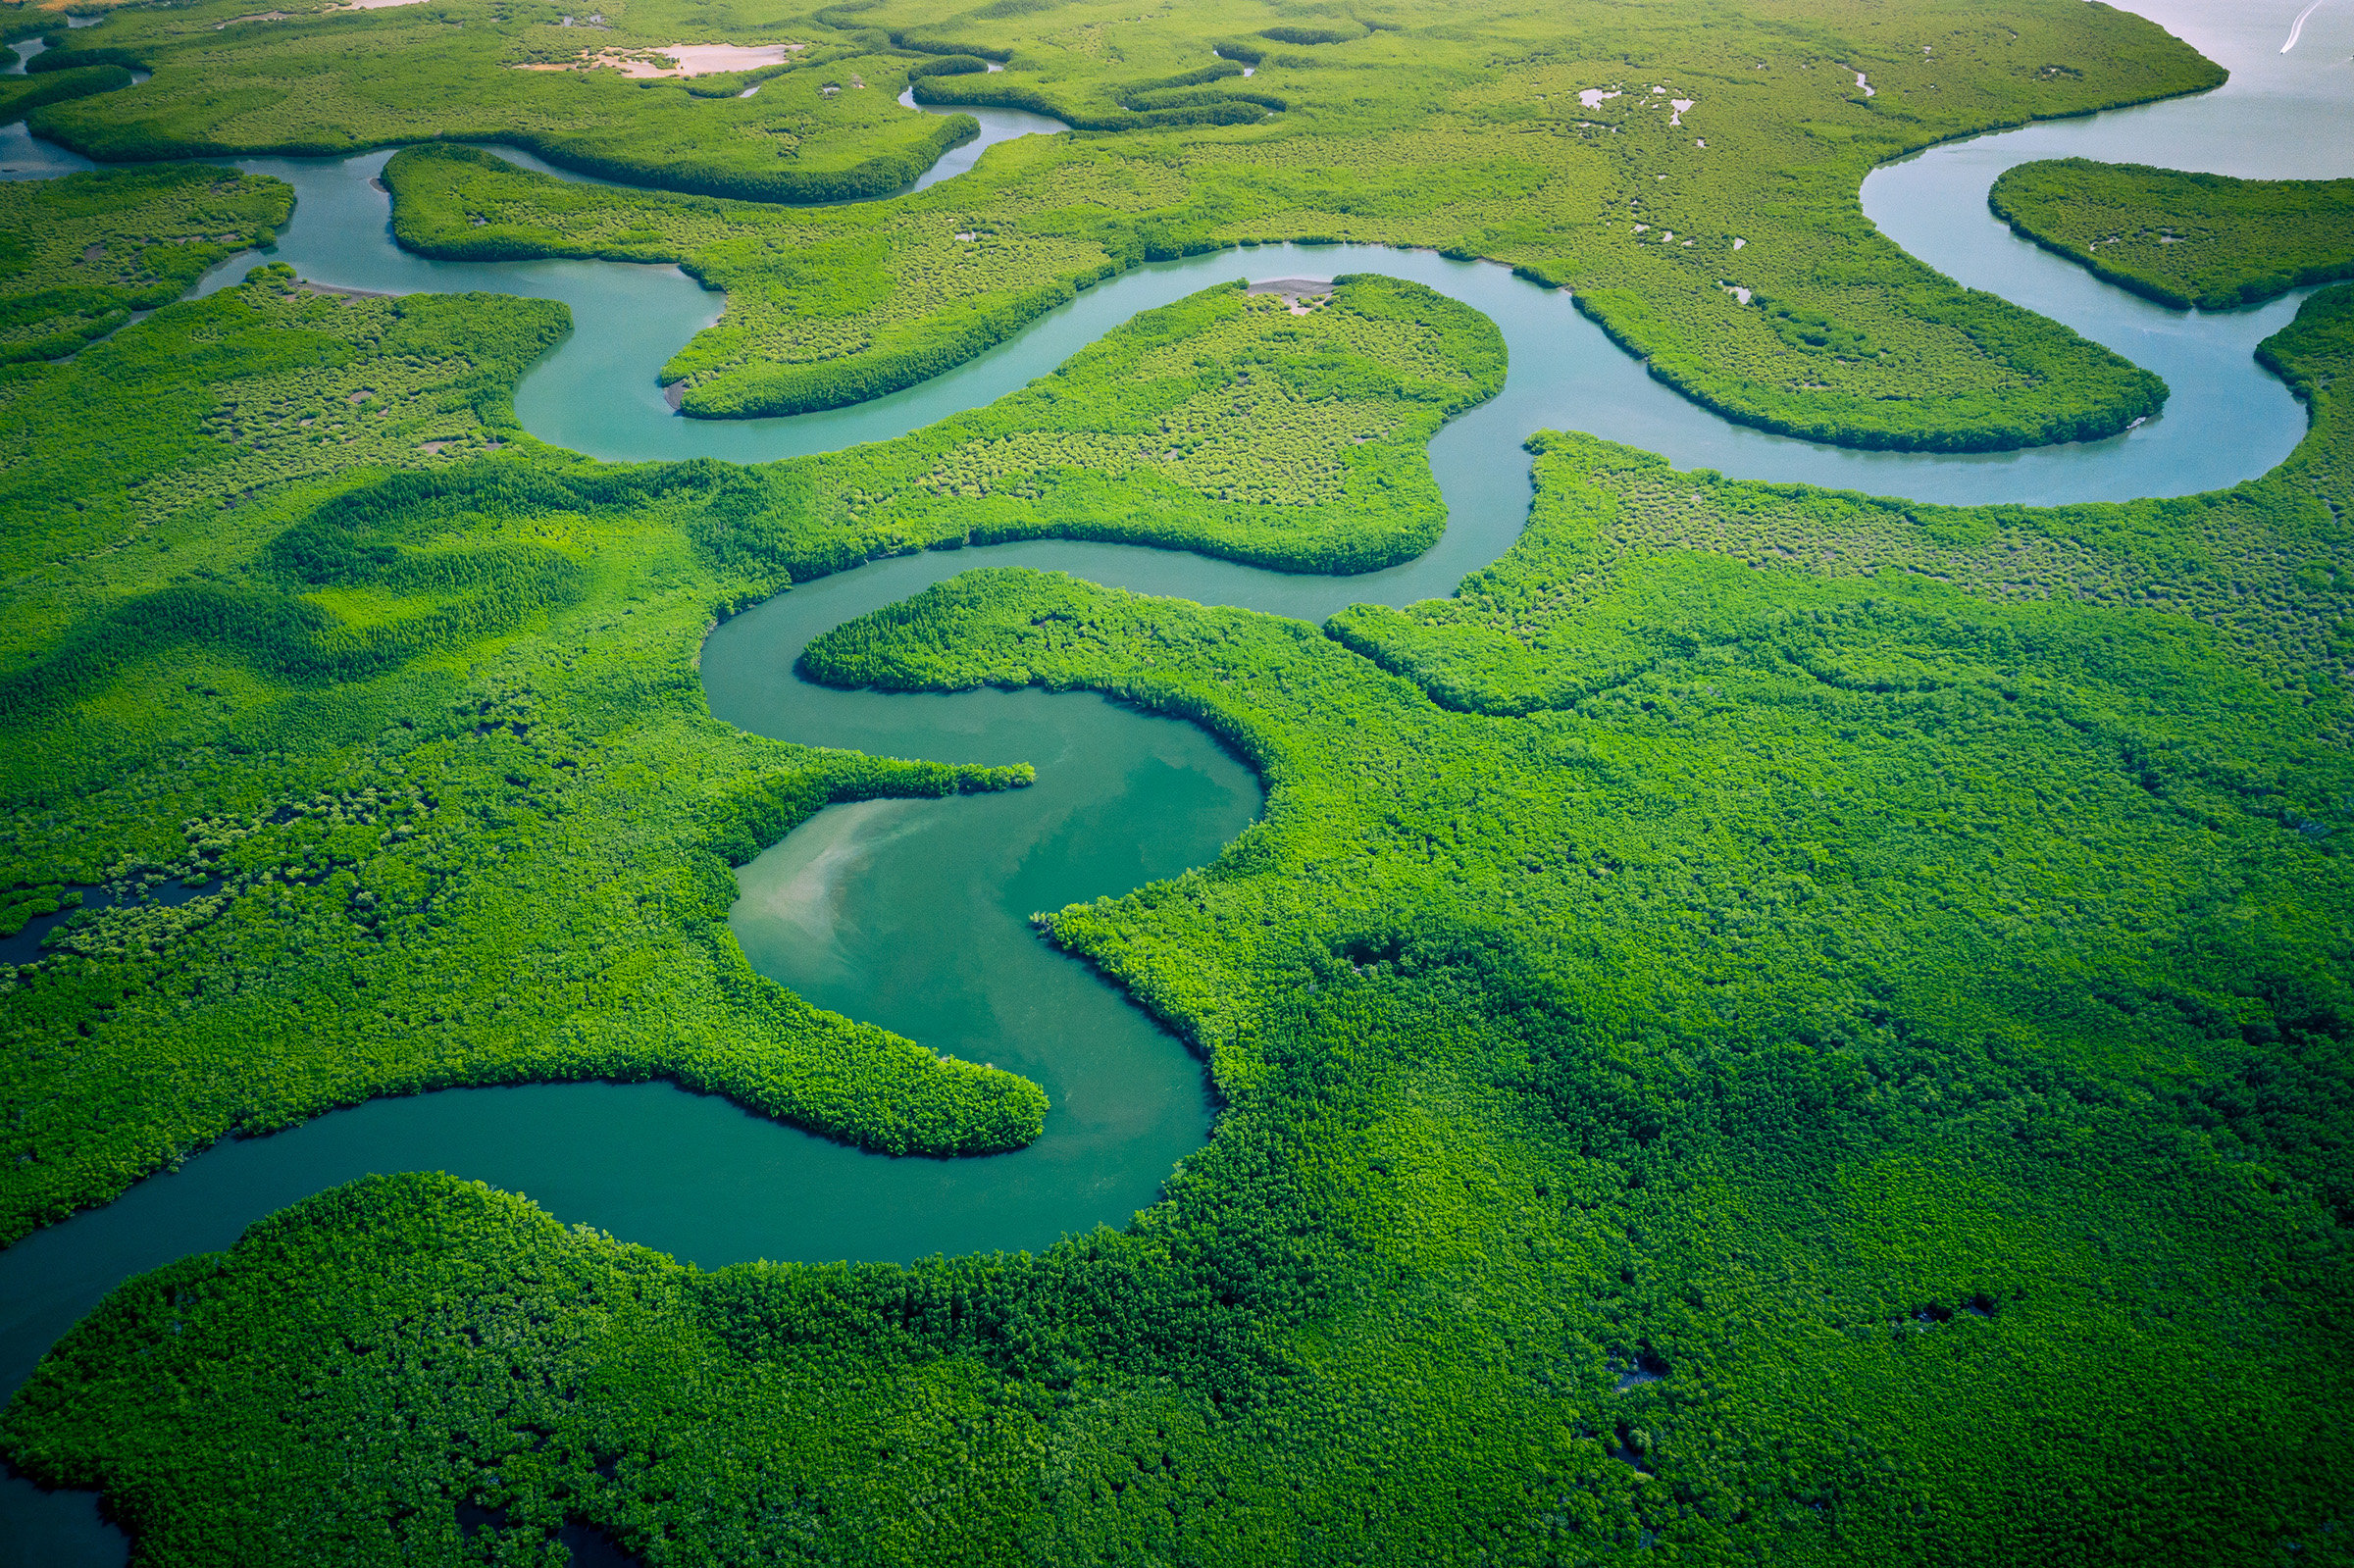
[(913, 914)]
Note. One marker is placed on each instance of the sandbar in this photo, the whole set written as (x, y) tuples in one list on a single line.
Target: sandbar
[(693, 59), (1300, 294), (289, 16)]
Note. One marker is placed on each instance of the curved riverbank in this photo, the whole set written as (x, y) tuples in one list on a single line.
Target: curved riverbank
[(613, 1156), (1565, 374)]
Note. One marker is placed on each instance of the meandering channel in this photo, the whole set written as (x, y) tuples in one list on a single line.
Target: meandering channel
[(1123, 798)]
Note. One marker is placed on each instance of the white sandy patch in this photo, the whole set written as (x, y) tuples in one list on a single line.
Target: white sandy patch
[(1870, 91), (1738, 243), (690, 59), (289, 16), (1300, 295), (1678, 106), (799, 891), (1592, 97)]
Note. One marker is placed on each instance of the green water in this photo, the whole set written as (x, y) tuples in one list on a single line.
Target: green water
[(912, 915)]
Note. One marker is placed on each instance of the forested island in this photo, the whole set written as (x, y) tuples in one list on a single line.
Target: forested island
[(1760, 1020)]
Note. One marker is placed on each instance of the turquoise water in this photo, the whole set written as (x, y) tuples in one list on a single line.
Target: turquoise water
[(912, 914), (597, 393)]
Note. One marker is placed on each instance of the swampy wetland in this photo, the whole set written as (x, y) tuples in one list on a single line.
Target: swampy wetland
[(1272, 782)]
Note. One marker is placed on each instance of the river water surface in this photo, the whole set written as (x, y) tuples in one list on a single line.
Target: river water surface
[(912, 914)]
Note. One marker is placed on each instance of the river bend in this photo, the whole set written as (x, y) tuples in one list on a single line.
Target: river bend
[(1123, 798)]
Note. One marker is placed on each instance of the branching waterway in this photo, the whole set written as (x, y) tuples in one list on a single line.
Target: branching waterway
[(913, 914)]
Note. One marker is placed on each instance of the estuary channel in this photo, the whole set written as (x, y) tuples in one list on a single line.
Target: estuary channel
[(913, 914)]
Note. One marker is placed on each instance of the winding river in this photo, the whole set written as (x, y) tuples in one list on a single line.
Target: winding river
[(912, 914)]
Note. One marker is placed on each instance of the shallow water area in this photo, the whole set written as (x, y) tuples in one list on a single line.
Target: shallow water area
[(2279, 117), (996, 125), (597, 393), (21, 156), (2226, 418), (911, 914)]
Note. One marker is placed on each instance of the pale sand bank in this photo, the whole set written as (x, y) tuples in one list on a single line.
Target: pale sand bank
[(289, 16), (1300, 294), (692, 59)]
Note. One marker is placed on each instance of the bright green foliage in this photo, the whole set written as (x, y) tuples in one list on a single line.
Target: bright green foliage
[(396, 730), (2183, 239), (1881, 968), (116, 468), (392, 735), (2262, 564), (1442, 128), (1230, 424), (1206, 106), (22, 904), (330, 82), (1911, 1014), (77, 255), (824, 308), (1910, 1021), (21, 95)]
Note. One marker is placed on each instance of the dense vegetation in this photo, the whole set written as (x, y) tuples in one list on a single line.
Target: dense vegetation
[(1774, 1024), (388, 730), (1717, 152), (229, 81), (1231, 423), (2179, 239), (2260, 565), (1905, 1026), (322, 709), (824, 309), (21, 95), (77, 255)]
